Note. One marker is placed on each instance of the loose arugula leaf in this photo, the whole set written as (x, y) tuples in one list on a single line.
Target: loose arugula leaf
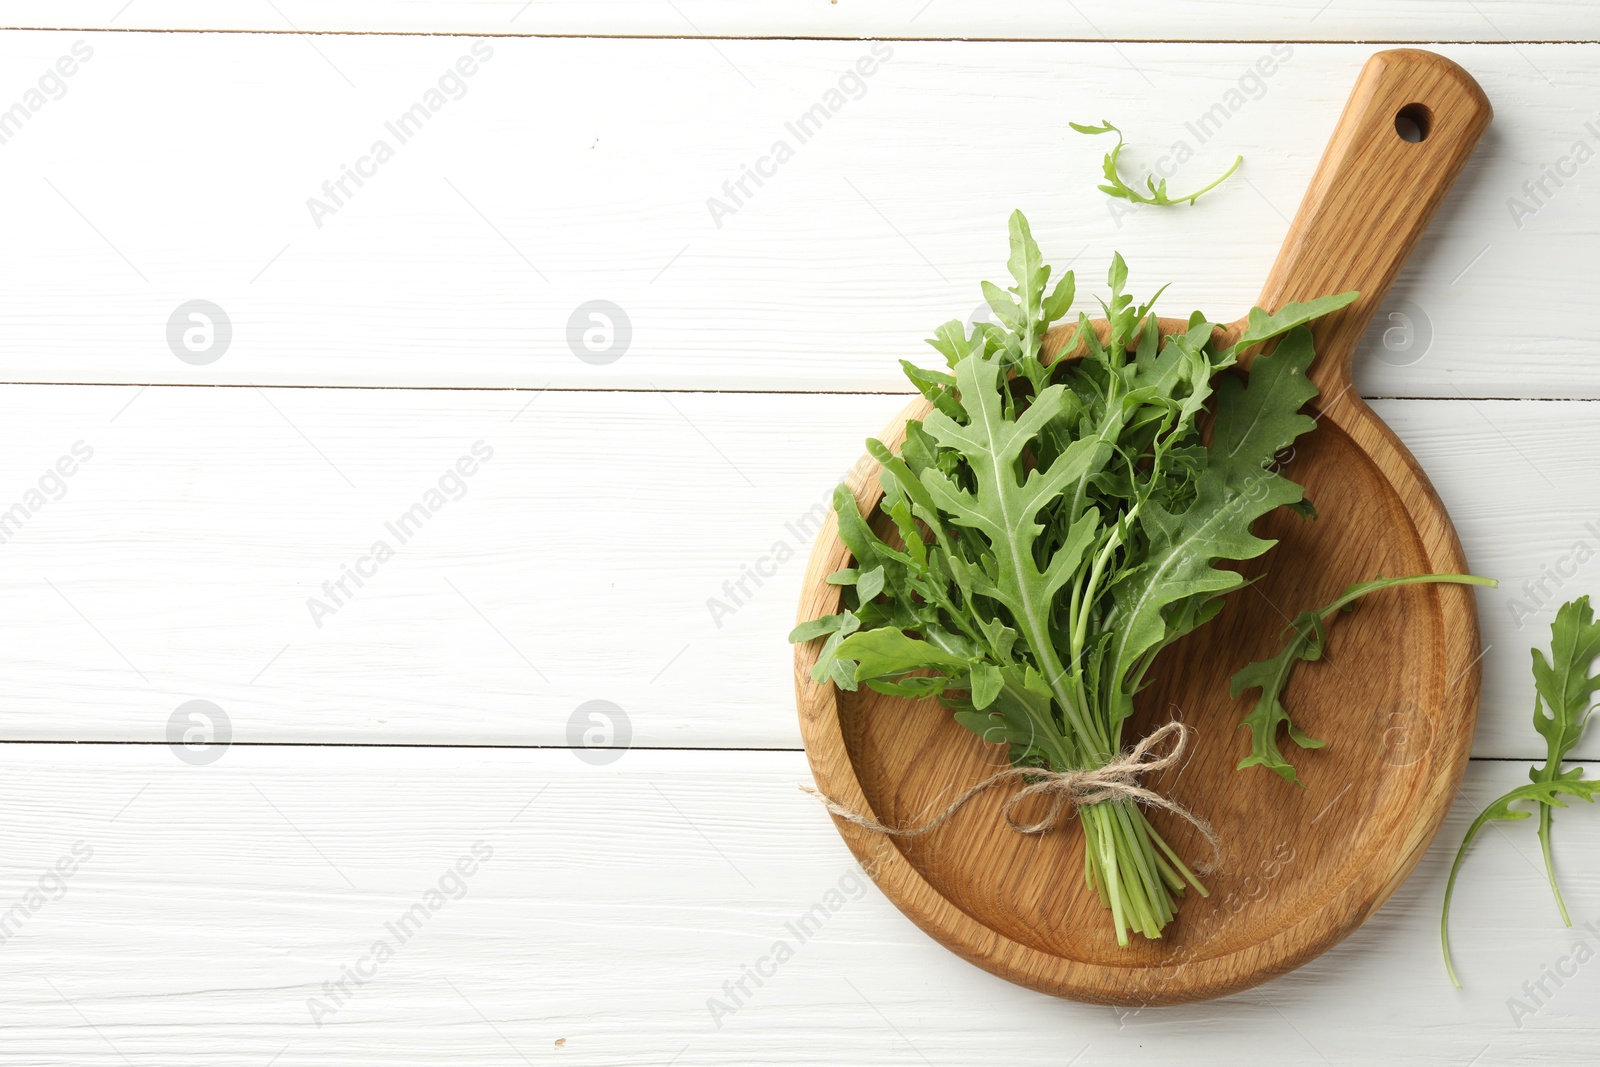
[(1561, 709), (1306, 643), (1115, 186), (1270, 676), (1564, 687), (1546, 794)]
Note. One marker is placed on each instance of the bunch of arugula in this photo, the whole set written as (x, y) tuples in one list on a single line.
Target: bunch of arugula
[(1561, 708), (1057, 524)]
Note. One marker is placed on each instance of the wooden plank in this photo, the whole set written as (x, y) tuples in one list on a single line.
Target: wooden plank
[(597, 555), (184, 167), (214, 903), (1205, 20)]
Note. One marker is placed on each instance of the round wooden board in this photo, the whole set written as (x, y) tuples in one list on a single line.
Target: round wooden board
[(1395, 699)]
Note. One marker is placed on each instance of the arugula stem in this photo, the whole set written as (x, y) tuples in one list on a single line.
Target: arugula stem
[(1449, 891), (1092, 870), (1182, 868), (1135, 850), (1545, 812), (1172, 878), (1548, 773), (1080, 630), (1192, 197), (1359, 590), (1108, 864), (1053, 672)]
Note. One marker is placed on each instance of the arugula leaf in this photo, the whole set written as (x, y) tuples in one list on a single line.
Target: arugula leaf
[(1306, 643), (1270, 676), (1116, 187), (888, 653), (1546, 794), (1563, 686), (1260, 326)]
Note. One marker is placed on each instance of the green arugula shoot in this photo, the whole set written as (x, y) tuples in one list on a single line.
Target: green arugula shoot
[(1561, 707), (1116, 187), (1052, 525), (1305, 643)]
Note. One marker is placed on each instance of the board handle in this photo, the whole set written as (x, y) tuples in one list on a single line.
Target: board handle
[(1411, 122)]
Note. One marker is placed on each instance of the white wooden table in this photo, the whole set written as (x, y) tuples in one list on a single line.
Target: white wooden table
[(418, 734)]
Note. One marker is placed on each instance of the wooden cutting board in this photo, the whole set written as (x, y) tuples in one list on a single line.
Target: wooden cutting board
[(1396, 698)]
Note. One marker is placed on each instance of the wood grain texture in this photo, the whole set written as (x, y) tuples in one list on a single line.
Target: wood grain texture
[(550, 184), (1090, 20), (1014, 905), (618, 902)]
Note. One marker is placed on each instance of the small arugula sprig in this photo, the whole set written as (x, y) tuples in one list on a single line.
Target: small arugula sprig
[(1306, 643), (1563, 687), (1115, 186)]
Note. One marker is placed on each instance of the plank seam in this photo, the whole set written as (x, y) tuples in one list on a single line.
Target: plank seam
[(553, 748), (685, 390), (504, 34)]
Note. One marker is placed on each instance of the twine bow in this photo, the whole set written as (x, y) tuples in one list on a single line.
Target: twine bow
[(1117, 780)]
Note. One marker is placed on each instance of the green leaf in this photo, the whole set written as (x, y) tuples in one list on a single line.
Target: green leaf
[(829, 666), (1546, 794), (986, 684), (1270, 676), (1563, 685), (935, 387), (810, 631), (1005, 504), (951, 342), (1263, 327), (1115, 187), (1117, 277), (889, 653), (1057, 303), (870, 584), (1003, 305), (1235, 489), (1305, 645)]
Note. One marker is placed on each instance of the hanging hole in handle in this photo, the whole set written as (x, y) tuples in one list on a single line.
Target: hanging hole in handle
[(1412, 123)]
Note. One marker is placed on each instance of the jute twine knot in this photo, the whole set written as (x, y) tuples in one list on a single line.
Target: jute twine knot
[(1117, 780)]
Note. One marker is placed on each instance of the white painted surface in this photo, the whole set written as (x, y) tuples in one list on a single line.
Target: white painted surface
[(1089, 20), (177, 564), (576, 565), (618, 900), (180, 166)]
